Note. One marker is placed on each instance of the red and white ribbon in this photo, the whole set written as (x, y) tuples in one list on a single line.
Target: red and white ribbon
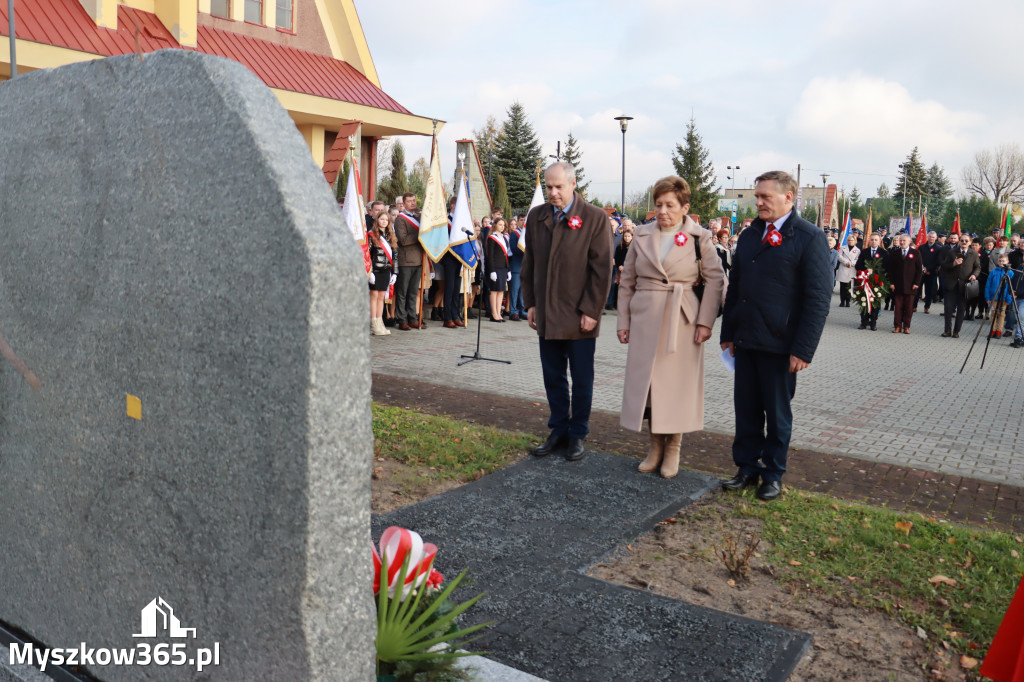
[(681, 239), (862, 277), (400, 547)]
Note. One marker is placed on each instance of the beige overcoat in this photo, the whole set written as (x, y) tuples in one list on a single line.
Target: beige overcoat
[(658, 306)]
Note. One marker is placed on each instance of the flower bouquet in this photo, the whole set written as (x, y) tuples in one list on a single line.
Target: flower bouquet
[(870, 287), (416, 622)]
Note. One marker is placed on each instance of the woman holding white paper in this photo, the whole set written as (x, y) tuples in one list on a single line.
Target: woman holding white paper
[(666, 325)]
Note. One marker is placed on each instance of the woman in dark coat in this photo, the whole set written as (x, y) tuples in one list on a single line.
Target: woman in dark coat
[(496, 255)]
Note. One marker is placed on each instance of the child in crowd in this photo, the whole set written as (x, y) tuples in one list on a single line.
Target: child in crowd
[(998, 293)]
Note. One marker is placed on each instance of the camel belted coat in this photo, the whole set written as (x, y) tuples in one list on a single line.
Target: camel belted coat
[(658, 306)]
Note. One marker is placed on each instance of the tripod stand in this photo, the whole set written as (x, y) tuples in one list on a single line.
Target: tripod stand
[(466, 359), (1004, 281)]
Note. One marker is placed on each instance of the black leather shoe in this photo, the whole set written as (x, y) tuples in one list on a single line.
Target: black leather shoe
[(769, 490), (862, 326), (874, 328), (956, 335), (575, 450), (740, 481), (554, 443)]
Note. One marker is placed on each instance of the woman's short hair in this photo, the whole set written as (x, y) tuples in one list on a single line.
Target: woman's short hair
[(723, 234), (673, 184)]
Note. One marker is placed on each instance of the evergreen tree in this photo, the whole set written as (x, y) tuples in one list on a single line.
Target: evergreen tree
[(912, 179), (883, 191), (518, 156), (571, 154), (397, 182), (487, 149), (341, 183), (418, 179), (692, 163), (855, 199), (500, 197), (937, 183), (809, 214), (978, 215)]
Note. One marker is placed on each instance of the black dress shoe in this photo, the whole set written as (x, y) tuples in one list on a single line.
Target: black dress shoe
[(862, 326), (740, 481), (554, 443), (874, 328), (946, 335), (769, 490), (575, 450)]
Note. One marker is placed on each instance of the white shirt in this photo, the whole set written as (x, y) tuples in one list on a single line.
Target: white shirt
[(778, 224)]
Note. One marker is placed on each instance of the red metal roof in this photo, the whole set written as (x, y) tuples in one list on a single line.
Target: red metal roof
[(339, 150), (65, 23)]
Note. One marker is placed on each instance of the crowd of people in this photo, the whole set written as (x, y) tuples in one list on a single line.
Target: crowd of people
[(407, 289)]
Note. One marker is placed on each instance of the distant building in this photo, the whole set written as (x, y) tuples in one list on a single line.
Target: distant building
[(311, 53)]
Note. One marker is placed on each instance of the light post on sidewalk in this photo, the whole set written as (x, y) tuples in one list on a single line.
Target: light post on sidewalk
[(623, 121)]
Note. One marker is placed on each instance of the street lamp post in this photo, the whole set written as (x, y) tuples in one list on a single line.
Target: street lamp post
[(824, 197), (733, 169), (903, 191), (623, 121)]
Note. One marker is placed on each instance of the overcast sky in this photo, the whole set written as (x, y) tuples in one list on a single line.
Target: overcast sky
[(845, 88)]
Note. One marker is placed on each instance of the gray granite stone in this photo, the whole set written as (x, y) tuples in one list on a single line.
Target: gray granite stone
[(167, 235)]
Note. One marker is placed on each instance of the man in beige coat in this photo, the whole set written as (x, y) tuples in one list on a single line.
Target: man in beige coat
[(665, 324), (566, 277)]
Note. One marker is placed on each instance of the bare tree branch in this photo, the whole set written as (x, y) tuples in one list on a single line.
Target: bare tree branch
[(997, 174)]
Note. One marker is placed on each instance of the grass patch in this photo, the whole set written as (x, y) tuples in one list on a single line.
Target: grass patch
[(453, 449), (955, 582)]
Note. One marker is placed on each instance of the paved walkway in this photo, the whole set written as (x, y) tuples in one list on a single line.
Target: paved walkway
[(879, 417), (526, 535)]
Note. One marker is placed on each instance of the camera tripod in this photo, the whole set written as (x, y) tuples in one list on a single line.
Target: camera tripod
[(1005, 283)]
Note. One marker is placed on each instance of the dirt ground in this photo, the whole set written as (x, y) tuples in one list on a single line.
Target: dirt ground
[(678, 560)]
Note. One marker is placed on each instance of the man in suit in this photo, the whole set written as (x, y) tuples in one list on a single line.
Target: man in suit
[(780, 289), (904, 267), (930, 252), (871, 252), (410, 266), (566, 275), (960, 265)]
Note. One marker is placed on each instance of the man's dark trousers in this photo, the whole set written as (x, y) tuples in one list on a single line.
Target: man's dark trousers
[(570, 416), (954, 298), (764, 387), (407, 290), (929, 285), (904, 307), (451, 271)]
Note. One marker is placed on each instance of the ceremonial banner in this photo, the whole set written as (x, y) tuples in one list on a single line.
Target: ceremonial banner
[(1007, 222), (956, 223), (354, 214), (460, 242), (538, 199), (922, 233), (906, 228), (846, 232), (867, 230), (434, 219)]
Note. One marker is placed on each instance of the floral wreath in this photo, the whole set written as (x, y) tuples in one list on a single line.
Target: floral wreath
[(870, 287), (575, 223), (681, 239)]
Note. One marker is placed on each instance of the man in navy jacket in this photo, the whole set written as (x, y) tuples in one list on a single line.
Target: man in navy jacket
[(780, 288)]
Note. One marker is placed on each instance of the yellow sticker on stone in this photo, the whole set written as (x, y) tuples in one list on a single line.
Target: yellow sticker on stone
[(134, 408)]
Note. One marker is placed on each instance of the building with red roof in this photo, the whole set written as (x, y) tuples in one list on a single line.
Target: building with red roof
[(312, 54)]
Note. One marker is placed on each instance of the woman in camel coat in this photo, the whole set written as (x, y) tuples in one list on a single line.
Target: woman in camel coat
[(666, 326)]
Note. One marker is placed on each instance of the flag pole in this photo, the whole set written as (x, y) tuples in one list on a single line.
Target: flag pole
[(13, 38)]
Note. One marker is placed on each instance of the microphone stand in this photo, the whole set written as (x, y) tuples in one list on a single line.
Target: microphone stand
[(466, 359)]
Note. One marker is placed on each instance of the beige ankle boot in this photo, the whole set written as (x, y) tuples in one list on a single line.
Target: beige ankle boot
[(670, 462), (654, 455), (377, 327)]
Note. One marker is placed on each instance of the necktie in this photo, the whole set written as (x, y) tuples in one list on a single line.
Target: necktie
[(559, 214), (767, 233), (904, 253)]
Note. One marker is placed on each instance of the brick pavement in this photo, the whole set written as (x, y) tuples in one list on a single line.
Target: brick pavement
[(879, 417)]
